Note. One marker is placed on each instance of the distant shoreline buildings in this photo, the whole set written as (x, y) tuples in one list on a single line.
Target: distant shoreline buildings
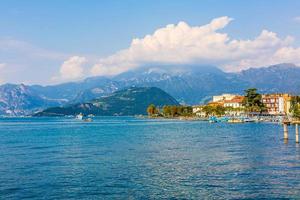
[(275, 104)]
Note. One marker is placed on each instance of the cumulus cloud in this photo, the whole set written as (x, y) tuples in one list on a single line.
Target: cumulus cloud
[(185, 44), (71, 69)]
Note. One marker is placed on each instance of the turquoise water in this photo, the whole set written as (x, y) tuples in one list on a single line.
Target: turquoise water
[(127, 158)]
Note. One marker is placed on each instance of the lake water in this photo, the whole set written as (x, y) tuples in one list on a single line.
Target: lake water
[(127, 158)]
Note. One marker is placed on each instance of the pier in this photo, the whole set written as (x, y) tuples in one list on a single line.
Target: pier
[(286, 130)]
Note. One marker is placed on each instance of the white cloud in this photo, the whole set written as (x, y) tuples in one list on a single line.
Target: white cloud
[(184, 44), (71, 69)]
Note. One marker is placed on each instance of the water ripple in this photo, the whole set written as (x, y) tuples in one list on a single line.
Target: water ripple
[(128, 158)]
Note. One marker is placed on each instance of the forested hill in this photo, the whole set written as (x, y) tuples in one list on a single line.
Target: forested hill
[(132, 101)]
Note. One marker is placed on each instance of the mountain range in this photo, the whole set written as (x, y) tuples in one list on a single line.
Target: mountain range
[(187, 84)]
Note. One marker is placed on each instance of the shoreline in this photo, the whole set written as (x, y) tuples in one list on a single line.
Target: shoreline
[(230, 120)]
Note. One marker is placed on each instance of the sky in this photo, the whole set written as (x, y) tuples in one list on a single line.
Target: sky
[(50, 42)]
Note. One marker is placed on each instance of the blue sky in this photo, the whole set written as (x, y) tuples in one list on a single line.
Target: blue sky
[(57, 30)]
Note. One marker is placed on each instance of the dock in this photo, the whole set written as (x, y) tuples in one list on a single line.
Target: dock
[(287, 123)]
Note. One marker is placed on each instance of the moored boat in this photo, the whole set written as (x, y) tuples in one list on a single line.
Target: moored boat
[(213, 119), (79, 116), (247, 119)]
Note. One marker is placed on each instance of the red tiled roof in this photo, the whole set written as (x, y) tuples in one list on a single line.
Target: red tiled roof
[(237, 99)]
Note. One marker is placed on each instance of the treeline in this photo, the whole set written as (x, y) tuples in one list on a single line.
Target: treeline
[(170, 111), (214, 110)]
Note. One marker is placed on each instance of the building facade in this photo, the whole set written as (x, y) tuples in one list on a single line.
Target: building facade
[(236, 102), (237, 106), (277, 104)]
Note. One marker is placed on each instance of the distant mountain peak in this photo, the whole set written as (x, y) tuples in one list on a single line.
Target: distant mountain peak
[(283, 65), (280, 66)]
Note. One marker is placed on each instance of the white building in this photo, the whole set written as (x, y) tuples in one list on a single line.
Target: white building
[(198, 111), (236, 102), (223, 97)]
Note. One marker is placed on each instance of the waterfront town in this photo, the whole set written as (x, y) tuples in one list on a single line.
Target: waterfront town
[(274, 107)]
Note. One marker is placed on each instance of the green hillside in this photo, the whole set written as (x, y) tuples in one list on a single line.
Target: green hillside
[(132, 101)]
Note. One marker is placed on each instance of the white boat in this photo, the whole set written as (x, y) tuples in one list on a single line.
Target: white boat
[(79, 116), (247, 119)]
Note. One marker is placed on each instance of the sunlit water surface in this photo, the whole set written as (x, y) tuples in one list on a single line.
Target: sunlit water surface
[(128, 158)]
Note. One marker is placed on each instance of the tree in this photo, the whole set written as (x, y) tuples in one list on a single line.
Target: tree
[(180, 110), (173, 111), (253, 101), (166, 111), (208, 110), (295, 106), (219, 110), (151, 110), (188, 110)]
